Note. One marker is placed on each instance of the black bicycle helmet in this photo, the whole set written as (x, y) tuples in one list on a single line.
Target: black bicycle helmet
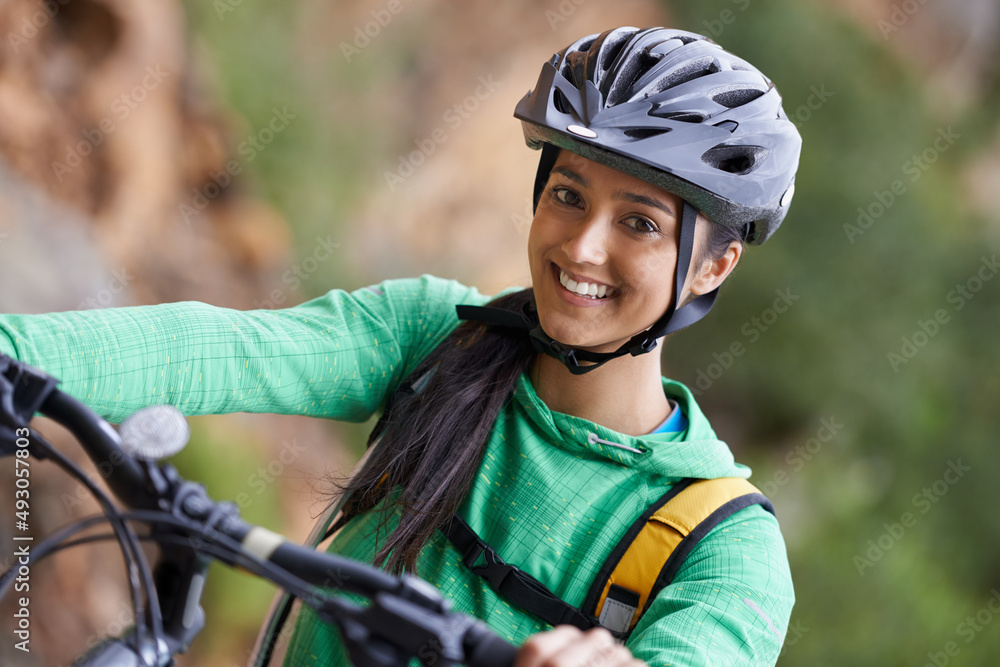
[(676, 110)]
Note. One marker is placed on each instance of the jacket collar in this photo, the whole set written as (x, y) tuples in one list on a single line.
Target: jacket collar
[(696, 452)]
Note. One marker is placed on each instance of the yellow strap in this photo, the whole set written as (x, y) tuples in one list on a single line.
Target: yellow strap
[(642, 562)]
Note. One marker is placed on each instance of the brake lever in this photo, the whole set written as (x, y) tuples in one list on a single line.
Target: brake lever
[(9, 438), (23, 390), (413, 620)]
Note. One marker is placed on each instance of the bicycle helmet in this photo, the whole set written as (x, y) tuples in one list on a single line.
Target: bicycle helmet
[(676, 110)]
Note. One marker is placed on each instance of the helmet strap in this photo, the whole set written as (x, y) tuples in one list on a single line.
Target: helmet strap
[(545, 163), (675, 318)]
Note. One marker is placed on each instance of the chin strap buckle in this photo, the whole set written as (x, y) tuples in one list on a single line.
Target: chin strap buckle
[(643, 346), (544, 344)]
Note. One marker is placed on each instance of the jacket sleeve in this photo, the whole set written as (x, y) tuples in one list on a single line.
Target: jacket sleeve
[(335, 356), (730, 603)]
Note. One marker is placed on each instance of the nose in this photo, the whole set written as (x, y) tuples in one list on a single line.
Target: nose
[(587, 241)]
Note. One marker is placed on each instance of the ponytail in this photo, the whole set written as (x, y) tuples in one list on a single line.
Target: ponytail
[(433, 434)]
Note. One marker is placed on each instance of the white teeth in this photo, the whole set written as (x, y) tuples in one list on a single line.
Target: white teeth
[(592, 290)]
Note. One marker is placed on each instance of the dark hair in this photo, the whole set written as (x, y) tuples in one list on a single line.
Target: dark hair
[(719, 238), (433, 433)]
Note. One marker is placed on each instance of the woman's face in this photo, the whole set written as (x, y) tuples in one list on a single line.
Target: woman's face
[(611, 235)]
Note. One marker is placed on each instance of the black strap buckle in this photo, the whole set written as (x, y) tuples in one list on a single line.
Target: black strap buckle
[(495, 570), (642, 344)]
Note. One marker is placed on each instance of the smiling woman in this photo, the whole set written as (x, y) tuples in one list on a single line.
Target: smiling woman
[(542, 423), (538, 433)]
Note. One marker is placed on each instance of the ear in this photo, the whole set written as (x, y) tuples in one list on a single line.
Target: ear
[(712, 272)]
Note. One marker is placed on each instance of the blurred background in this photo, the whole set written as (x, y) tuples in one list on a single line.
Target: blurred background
[(255, 154)]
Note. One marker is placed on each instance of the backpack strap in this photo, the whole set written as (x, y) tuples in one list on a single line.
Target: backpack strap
[(646, 559), (511, 583), (652, 551)]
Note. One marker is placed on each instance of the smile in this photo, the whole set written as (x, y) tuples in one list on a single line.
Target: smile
[(588, 290)]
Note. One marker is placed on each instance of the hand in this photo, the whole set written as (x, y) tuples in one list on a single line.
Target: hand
[(567, 646)]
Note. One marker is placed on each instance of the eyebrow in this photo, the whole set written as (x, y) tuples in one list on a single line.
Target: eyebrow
[(572, 175), (645, 201), (618, 194)]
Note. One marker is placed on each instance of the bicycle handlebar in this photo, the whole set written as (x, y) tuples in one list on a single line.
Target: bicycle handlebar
[(103, 445), (407, 616)]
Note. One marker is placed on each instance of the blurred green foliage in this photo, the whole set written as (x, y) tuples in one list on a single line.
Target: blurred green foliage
[(859, 295)]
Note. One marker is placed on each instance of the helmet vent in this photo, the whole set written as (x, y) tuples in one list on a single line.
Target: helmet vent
[(686, 39), (645, 132), (639, 66), (736, 97), (611, 52), (693, 70), (560, 102), (586, 44), (737, 160), (630, 71), (684, 117)]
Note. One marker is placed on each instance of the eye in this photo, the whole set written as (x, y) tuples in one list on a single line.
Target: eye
[(641, 225), (566, 196)]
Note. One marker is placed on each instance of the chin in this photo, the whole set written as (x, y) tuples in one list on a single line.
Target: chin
[(573, 337)]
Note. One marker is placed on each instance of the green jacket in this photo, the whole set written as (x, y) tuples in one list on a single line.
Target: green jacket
[(547, 499)]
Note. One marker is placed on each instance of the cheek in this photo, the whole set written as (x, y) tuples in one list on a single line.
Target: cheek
[(533, 234), (653, 282), (533, 250), (654, 274), (539, 239)]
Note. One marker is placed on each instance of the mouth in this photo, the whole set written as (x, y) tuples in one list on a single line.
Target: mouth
[(582, 288)]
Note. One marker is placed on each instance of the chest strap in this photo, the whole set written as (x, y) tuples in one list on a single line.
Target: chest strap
[(511, 583)]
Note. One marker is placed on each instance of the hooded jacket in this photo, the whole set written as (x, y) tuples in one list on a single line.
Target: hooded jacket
[(549, 498)]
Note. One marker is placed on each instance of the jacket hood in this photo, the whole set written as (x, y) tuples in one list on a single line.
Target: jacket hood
[(696, 452)]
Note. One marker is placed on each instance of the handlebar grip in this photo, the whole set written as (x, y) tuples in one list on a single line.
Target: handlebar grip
[(485, 648)]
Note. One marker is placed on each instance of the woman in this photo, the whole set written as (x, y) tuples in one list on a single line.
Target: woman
[(542, 421)]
